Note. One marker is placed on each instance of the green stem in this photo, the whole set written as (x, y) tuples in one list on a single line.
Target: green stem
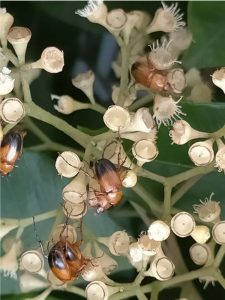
[(97, 107), (26, 89), (167, 200), (141, 102), (184, 188), (140, 295), (220, 278), (37, 131), (39, 113), (76, 290), (155, 290), (218, 134), (12, 57), (219, 256), (147, 174)]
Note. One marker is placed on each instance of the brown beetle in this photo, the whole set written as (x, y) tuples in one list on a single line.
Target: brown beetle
[(108, 177), (146, 74), (66, 260), (11, 150)]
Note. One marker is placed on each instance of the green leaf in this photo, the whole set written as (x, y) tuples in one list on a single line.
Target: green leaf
[(206, 22)]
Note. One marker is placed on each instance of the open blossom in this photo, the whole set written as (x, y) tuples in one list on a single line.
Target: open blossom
[(6, 81), (95, 11)]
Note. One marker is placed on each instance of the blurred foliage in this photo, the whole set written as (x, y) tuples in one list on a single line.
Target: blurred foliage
[(34, 187)]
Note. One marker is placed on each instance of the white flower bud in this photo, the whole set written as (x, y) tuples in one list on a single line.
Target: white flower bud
[(116, 20), (182, 132), (19, 38), (118, 243), (166, 19), (100, 291), (12, 110), (68, 164), (6, 225), (116, 118), (201, 153), (74, 210), (116, 89), (193, 77), (176, 80), (9, 263), (76, 190), (200, 92), (93, 271), (201, 234), (142, 18), (52, 60), (29, 282), (32, 261), (149, 246), (200, 253), (218, 232), (208, 210), (162, 268), (158, 231), (108, 264), (6, 82), (144, 151), (61, 231), (67, 105), (129, 179), (218, 78), (6, 21), (161, 56), (220, 156), (182, 224), (84, 82), (141, 120), (137, 136), (135, 252), (166, 110)]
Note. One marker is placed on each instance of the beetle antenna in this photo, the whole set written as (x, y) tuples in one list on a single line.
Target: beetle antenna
[(38, 238)]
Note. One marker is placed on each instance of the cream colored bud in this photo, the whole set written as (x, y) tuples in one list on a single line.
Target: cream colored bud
[(158, 231), (52, 60), (76, 190), (201, 153), (84, 82), (176, 80), (117, 155), (220, 156), (200, 253), (129, 179), (67, 105), (29, 282), (141, 120), (218, 78), (162, 268), (9, 263), (144, 151), (131, 97), (208, 210), (166, 110), (67, 232), (6, 82), (182, 132), (193, 77), (7, 225), (108, 264), (116, 19), (166, 19), (201, 92), (182, 224), (118, 243), (137, 136), (32, 261), (201, 234), (100, 291), (12, 110), (93, 271), (135, 252), (149, 247), (74, 210), (6, 21), (181, 40), (116, 118), (218, 232), (19, 38), (68, 164), (161, 56), (142, 18)]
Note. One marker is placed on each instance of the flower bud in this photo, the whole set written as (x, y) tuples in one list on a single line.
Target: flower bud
[(200, 92), (52, 60), (6, 21), (19, 38), (162, 268), (84, 82), (182, 132), (144, 151), (68, 164), (166, 19), (181, 40), (108, 264), (32, 261), (135, 252), (158, 231), (12, 110), (100, 291), (201, 153), (208, 210), (200, 253), (166, 110), (218, 232), (200, 234), (220, 156), (116, 19), (67, 105), (182, 224), (142, 19), (149, 246), (176, 80), (129, 179), (116, 118), (218, 78), (118, 243), (93, 271), (76, 190), (74, 210), (6, 82)]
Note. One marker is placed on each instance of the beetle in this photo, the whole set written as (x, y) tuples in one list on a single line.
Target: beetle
[(108, 177), (66, 260), (11, 150)]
